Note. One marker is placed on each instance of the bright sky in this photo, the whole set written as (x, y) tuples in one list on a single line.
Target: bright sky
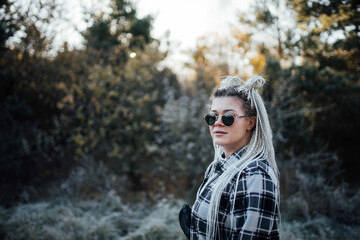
[(186, 20), (189, 19)]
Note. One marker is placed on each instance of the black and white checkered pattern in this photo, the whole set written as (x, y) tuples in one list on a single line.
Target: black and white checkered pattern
[(255, 213)]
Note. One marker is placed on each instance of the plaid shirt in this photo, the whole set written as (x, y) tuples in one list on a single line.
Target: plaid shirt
[(255, 215)]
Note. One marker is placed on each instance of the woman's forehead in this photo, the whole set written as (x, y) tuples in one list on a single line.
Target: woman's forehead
[(226, 104)]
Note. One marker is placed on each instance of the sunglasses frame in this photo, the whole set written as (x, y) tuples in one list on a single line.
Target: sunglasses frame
[(222, 118)]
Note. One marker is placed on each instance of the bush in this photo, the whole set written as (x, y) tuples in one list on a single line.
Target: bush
[(321, 228), (62, 218), (110, 218)]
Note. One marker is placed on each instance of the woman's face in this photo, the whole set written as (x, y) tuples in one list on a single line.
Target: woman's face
[(233, 137)]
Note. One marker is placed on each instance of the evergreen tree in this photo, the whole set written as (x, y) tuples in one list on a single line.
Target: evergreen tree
[(28, 101), (111, 110), (331, 54)]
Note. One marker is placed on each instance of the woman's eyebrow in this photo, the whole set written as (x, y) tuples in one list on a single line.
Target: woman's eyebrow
[(225, 110)]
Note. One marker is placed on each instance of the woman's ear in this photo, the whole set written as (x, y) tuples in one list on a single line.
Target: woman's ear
[(251, 123)]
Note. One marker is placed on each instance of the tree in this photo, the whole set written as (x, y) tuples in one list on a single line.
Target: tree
[(28, 100), (111, 109), (96, 101), (114, 114), (216, 57), (331, 50), (120, 27)]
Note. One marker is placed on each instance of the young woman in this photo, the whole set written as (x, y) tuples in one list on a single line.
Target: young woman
[(239, 197)]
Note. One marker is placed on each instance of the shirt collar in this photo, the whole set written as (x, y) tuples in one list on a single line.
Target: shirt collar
[(222, 164)]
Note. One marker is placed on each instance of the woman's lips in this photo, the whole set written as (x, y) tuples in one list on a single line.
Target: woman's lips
[(219, 133)]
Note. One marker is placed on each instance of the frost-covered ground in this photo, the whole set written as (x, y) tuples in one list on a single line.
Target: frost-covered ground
[(110, 218)]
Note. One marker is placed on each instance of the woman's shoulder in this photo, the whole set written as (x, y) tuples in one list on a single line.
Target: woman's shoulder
[(260, 167), (257, 176), (256, 166)]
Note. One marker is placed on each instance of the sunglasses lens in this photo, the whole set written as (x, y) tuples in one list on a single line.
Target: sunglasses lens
[(227, 119), (210, 119)]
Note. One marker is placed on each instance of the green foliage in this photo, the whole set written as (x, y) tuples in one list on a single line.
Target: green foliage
[(115, 113), (120, 27), (7, 26), (88, 181), (109, 218), (112, 112), (318, 228), (327, 16), (312, 179), (186, 145), (330, 74), (90, 102), (28, 98), (28, 158), (100, 36)]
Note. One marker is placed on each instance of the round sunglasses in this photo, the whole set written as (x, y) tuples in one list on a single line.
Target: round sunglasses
[(228, 119)]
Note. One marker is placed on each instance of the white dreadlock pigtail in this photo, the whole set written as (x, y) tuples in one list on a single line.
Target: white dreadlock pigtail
[(260, 147)]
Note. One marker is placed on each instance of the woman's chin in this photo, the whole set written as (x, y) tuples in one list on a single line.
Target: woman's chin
[(220, 142)]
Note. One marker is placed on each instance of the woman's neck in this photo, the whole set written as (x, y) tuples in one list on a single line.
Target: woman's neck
[(229, 152)]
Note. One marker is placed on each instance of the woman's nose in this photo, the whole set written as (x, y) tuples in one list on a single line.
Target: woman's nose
[(219, 121)]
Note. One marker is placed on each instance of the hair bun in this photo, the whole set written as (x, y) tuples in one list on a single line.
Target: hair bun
[(230, 81), (254, 82)]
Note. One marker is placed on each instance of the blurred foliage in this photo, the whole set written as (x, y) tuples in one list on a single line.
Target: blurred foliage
[(186, 144), (78, 103), (29, 151), (217, 56), (114, 114), (331, 49), (87, 220), (120, 27), (67, 215), (85, 126)]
